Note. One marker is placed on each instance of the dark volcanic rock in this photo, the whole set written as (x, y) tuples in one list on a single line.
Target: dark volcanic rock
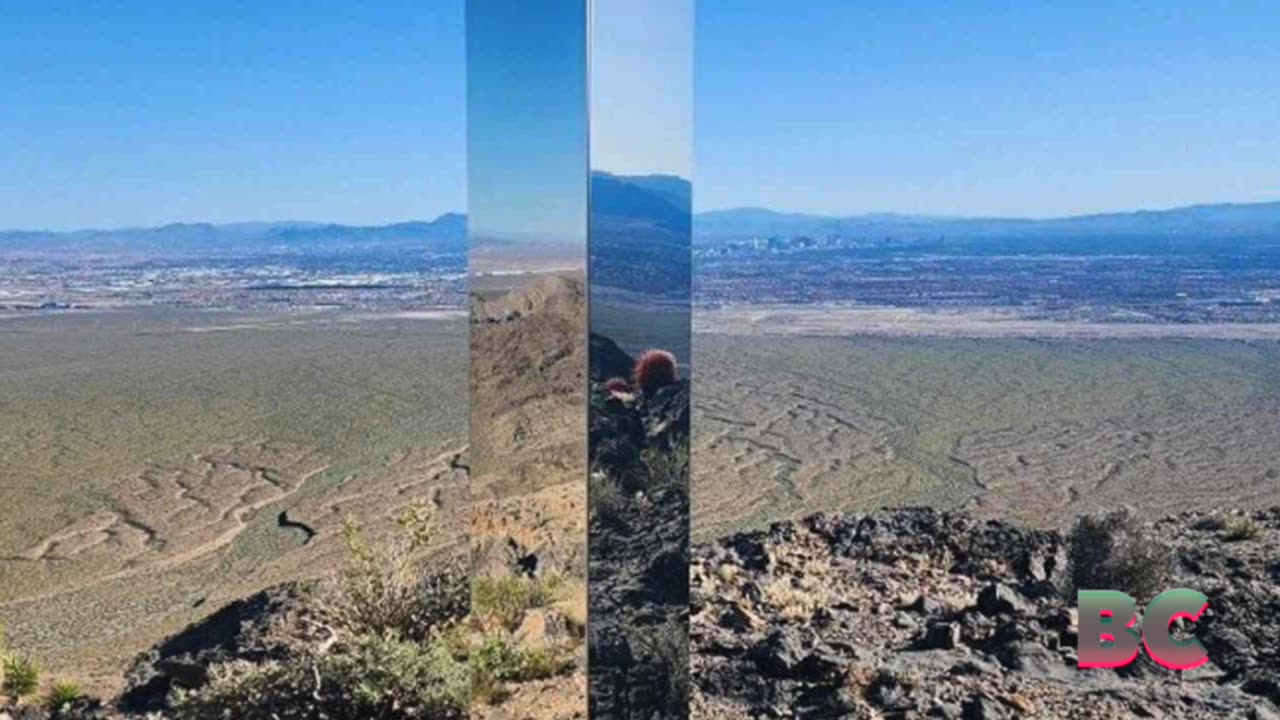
[(608, 360), (997, 599), (923, 613), (84, 709), (244, 630), (639, 525)]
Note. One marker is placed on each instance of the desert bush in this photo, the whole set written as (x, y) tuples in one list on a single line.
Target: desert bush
[(1115, 552), (21, 678), (385, 589), (62, 694), (506, 598), (497, 661), (390, 673), (1240, 527), (660, 468), (376, 677), (665, 650), (655, 370), (606, 500)]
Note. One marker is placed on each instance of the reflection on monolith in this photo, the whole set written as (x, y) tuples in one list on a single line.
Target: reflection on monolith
[(640, 272), (525, 639)]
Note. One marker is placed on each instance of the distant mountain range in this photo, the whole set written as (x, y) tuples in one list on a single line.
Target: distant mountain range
[(444, 235), (627, 203), (1179, 228), (640, 230)]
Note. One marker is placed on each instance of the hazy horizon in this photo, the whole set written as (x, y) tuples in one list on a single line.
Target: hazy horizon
[(707, 211)]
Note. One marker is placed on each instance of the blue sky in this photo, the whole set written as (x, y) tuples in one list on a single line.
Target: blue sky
[(527, 109), (642, 86), (973, 108), (140, 112)]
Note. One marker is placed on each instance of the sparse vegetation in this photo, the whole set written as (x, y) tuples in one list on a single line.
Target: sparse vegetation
[(62, 694), (793, 603), (665, 650), (161, 395), (498, 661), (404, 649), (661, 468), (777, 410), (1117, 552), (606, 499), (385, 587), (376, 677), (507, 598), (1237, 528), (21, 678)]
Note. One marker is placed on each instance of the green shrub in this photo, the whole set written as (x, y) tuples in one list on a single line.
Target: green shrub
[(660, 469), (385, 673), (63, 693), (1116, 552), (21, 678), (374, 678), (506, 598), (498, 661), (384, 590), (606, 500)]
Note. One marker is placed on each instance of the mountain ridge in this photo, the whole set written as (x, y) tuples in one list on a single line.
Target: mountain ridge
[(664, 198), (1205, 221), (445, 234)]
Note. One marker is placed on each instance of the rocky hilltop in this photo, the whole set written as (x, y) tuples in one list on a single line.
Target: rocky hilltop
[(639, 529), (895, 614), (921, 613)]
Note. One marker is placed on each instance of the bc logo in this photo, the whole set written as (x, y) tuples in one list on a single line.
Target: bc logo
[(1109, 636)]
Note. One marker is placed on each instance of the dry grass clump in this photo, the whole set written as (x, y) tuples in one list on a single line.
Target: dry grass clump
[(61, 694), (21, 678), (1237, 528), (606, 500), (793, 603)]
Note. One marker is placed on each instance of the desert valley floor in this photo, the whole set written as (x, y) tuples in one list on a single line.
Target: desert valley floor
[(145, 457)]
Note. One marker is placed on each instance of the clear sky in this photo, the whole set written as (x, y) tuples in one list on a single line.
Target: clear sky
[(527, 115), (973, 108), (141, 112), (642, 86)]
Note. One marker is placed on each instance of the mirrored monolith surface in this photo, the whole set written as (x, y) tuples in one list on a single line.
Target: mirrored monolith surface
[(527, 195), (639, 394)]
